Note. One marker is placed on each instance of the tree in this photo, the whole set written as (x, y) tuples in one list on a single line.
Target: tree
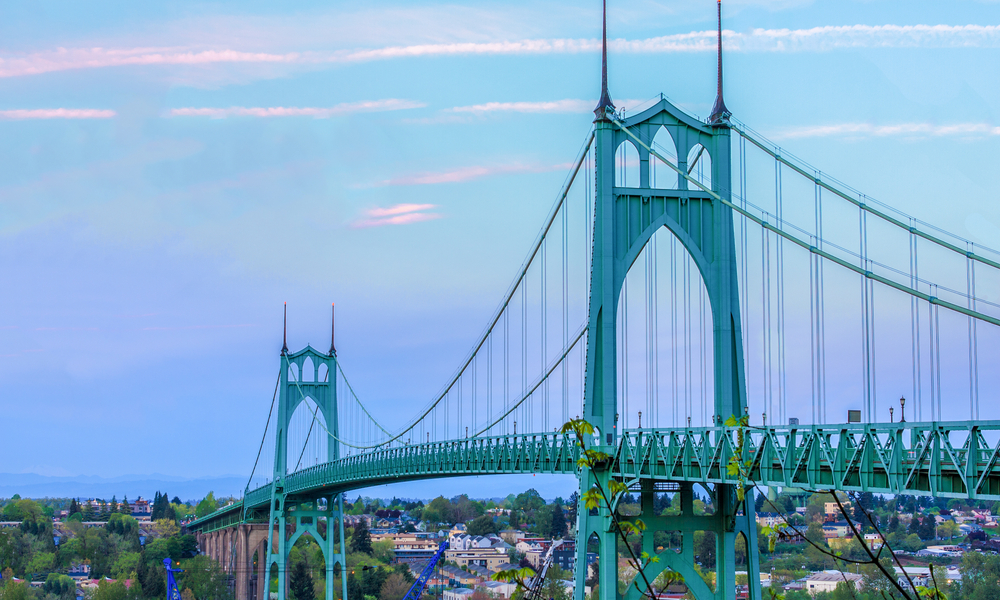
[(384, 551), (301, 582), (574, 501), (166, 527), (557, 526), (361, 538), (205, 579), (394, 588), (207, 506), (483, 525), (948, 530)]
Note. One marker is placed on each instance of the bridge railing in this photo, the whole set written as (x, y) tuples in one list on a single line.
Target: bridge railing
[(537, 453), (951, 459)]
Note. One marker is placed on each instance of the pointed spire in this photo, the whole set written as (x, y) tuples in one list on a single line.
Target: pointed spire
[(605, 102), (333, 321), (284, 332), (720, 114)]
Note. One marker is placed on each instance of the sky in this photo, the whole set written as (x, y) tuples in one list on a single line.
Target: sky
[(173, 174)]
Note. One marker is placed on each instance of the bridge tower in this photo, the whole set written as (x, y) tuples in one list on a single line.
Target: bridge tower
[(292, 515), (625, 220)]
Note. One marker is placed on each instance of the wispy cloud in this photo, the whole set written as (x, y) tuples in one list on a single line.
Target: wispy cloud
[(183, 327), (399, 214), (546, 107), (63, 59), (291, 111), (56, 113), (812, 39), (899, 129), (469, 173), (555, 106)]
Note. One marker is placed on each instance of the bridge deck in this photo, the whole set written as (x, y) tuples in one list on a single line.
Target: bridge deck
[(950, 459)]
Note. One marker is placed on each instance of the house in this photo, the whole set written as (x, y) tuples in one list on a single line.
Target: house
[(512, 536), (483, 557), (770, 519), (827, 581), (832, 511), (458, 594), (498, 589), (836, 529)]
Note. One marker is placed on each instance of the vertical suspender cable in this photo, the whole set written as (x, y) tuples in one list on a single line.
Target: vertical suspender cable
[(937, 360), (524, 352), (565, 309), (915, 325), (973, 341), (688, 359), (765, 262), (506, 367), (673, 325), (813, 334), (865, 337), (655, 413), (782, 407), (704, 361), (545, 336), (647, 278), (934, 357)]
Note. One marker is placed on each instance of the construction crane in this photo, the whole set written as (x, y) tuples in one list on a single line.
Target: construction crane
[(418, 586), (535, 591)]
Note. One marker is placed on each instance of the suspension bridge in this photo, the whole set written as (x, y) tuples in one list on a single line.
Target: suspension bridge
[(746, 252)]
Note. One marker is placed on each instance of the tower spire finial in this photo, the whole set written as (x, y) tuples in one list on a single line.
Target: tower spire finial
[(605, 102), (720, 114), (284, 332), (333, 321)]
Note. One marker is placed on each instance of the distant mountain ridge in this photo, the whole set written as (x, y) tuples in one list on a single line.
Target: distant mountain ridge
[(31, 485)]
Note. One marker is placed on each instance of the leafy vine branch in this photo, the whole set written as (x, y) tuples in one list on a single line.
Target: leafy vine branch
[(600, 497), (740, 467)]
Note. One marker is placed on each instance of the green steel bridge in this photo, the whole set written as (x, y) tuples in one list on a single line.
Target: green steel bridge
[(660, 216)]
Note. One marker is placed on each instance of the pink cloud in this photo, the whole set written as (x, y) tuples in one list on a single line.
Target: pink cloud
[(400, 214), (291, 111), (56, 113), (469, 173), (63, 59), (756, 40), (399, 209)]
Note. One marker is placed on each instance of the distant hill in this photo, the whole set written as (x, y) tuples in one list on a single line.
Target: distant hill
[(30, 485)]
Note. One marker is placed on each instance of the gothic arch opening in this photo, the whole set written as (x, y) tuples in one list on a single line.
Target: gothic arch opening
[(308, 370), (666, 370), (660, 175), (699, 165), (307, 438), (626, 165)]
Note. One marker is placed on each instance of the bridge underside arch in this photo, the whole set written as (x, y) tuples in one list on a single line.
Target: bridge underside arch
[(665, 344)]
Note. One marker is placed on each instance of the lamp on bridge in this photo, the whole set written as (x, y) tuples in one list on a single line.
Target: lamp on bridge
[(890, 414), (902, 406), (640, 419), (763, 417)]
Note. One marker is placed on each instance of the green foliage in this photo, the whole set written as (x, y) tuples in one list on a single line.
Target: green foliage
[(384, 551), (203, 576), (301, 583), (59, 585), (483, 525), (207, 506), (15, 591), (361, 538)]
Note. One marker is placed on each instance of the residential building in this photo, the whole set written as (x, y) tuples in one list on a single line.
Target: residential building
[(827, 581)]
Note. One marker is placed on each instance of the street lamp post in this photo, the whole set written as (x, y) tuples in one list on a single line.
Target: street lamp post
[(902, 409)]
